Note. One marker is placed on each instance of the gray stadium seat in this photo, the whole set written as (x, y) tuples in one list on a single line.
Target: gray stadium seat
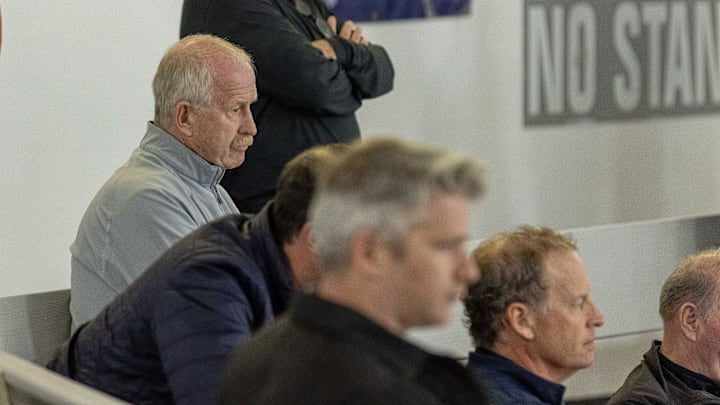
[(25, 383), (32, 325)]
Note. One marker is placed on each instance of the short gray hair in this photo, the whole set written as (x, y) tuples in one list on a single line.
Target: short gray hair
[(694, 280), (187, 72), (384, 186)]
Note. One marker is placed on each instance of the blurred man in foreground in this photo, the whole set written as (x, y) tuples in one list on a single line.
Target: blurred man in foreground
[(390, 222)]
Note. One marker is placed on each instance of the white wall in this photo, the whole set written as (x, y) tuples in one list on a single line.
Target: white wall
[(75, 94)]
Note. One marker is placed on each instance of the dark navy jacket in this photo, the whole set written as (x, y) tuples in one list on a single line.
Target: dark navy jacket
[(323, 353), (508, 383), (167, 337)]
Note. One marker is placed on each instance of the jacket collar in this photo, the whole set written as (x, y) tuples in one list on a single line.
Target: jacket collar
[(513, 379), (181, 159)]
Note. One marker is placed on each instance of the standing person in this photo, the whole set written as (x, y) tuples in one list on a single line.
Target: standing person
[(313, 74), (390, 223), (685, 367), (530, 315), (167, 337), (171, 184)]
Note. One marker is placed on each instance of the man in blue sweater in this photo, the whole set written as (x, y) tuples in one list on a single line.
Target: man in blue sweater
[(167, 337), (531, 316)]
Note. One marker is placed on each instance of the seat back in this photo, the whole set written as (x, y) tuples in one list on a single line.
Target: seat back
[(32, 325), (25, 383)]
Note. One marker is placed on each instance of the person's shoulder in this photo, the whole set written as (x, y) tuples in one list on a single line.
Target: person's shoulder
[(138, 180), (213, 255), (508, 396), (145, 193), (639, 388), (637, 398), (130, 201)]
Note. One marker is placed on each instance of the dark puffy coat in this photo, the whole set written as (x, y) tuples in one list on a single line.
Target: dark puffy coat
[(167, 337)]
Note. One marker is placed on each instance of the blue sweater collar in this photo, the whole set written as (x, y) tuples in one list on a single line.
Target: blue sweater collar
[(505, 379)]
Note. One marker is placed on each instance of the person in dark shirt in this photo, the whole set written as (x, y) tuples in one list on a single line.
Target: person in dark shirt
[(313, 73), (530, 315), (390, 223), (683, 368)]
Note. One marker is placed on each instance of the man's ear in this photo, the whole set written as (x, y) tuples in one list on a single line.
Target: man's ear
[(520, 320), (690, 320), (305, 236), (368, 251), (183, 118), (306, 272)]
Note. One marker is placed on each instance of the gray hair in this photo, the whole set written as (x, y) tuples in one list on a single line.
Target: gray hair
[(694, 280), (187, 72), (384, 186), (512, 269)]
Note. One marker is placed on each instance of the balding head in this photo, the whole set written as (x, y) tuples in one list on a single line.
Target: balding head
[(189, 70)]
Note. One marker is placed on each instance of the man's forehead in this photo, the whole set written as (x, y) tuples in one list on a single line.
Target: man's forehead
[(233, 90), (565, 269)]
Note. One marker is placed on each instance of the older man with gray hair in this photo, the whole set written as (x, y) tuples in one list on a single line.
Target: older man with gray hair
[(170, 185), (685, 367)]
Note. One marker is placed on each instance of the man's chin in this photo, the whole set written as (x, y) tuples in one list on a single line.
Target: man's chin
[(236, 163)]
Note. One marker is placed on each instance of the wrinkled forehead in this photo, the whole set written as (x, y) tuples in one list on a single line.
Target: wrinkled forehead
[(224, 66), (236, 82)]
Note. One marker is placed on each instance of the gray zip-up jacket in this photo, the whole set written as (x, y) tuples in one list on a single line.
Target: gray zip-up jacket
[(161, 194)]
